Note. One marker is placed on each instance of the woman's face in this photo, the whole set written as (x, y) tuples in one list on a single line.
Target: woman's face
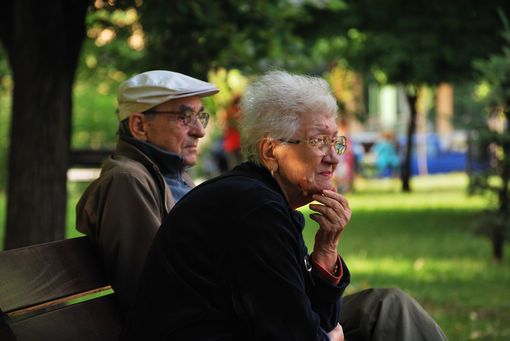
[(304, 170)]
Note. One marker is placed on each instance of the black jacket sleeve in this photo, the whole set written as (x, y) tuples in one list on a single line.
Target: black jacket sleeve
[(273, 292)]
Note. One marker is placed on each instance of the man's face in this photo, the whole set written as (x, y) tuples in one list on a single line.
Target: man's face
[(168, 131)]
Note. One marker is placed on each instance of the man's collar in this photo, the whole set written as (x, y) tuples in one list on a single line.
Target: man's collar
[(170, 164)]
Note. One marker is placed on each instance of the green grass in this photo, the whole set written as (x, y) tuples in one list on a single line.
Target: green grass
[(74, 191), (423, 243)]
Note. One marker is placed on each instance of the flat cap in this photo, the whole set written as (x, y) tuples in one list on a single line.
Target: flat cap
[(149, 89)]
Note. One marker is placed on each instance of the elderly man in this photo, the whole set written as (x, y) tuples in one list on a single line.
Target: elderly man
[(161, 120)]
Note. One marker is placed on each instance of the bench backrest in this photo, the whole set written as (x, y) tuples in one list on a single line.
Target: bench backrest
[(56, 291)]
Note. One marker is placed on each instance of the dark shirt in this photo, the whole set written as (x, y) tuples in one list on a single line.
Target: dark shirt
[(171, 165), (230, 263)]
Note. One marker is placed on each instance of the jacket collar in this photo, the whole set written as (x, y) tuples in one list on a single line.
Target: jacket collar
[(257, 172), (169, 164), (263, 175)]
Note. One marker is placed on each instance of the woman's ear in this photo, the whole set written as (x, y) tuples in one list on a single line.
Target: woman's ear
[(266, 149), (137, 126)]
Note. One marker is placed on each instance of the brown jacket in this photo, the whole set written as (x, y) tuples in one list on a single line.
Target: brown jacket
[(121, 212)]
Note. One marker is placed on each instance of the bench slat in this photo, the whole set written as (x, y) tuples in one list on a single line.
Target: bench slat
[(93, 320), (36, 274)]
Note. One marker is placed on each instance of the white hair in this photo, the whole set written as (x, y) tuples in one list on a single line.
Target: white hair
[(273, 106)]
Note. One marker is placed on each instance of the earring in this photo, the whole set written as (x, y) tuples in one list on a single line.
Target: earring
[(273, 170)]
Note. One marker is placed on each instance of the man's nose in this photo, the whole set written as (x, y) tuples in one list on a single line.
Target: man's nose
[(197, 129)]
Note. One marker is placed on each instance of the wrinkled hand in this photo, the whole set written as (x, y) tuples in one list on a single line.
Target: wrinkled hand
[(336, 334), (333, 215)]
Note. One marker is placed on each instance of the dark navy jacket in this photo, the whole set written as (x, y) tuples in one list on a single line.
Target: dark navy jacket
[(230, 263)]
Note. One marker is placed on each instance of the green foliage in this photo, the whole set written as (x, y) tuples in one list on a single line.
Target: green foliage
[(109, 46), (494, 138), (467, 107), (108, 58), (5, 115), (193, 37), (94, 120), (5, 78), (413, 42), (197, 38), (496, 71)]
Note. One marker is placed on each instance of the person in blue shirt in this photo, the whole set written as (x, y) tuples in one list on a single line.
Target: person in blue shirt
[(387, 160)]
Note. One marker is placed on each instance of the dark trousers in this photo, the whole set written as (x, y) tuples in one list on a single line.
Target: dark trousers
[(386, 314)]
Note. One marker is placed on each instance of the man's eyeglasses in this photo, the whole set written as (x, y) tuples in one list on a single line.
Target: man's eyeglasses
[(188, 117), (323, 143)]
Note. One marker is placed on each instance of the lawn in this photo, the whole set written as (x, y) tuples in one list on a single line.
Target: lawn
[(421, 242)]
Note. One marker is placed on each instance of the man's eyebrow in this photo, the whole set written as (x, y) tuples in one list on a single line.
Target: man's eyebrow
[(185, 107)]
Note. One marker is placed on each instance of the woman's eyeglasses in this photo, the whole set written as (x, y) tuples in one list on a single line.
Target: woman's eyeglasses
[(323, 143), (188, 117)]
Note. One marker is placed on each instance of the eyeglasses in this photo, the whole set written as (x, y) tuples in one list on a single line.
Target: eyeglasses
[(188, 117), (323, 143)]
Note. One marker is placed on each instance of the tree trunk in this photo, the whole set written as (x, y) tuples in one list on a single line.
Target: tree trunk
[(405, 172), (43, 54), (497, 246)]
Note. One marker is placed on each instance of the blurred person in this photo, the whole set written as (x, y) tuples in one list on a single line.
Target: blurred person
[(231, 138), (218, 157), (343, 177), (229, 262), (344, 173), (387, 160), (161, 119)]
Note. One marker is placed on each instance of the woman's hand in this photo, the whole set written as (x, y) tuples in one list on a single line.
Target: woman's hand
[(336, 334), (333, 215)]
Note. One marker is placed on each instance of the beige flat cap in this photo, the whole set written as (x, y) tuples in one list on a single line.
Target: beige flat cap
[(151, 88)]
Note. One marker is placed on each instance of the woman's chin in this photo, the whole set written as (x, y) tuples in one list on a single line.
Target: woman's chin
[(322, 185), (317, 188), (309, 187)]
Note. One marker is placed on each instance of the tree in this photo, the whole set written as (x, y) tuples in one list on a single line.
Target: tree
[(495, 223), (42, 41), (411, 43), (193, 37)]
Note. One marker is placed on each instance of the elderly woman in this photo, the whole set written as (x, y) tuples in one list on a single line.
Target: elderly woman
[(229, 262)]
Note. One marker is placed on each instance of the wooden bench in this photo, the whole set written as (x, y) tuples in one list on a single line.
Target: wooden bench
[(56, 291)]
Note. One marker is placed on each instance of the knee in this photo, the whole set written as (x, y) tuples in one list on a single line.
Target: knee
[(393, 292), (389, 293), (394, 297)]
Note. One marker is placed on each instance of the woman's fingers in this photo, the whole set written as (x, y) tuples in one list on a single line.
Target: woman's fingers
[(319, 218), (331, 198), (333, 212)]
